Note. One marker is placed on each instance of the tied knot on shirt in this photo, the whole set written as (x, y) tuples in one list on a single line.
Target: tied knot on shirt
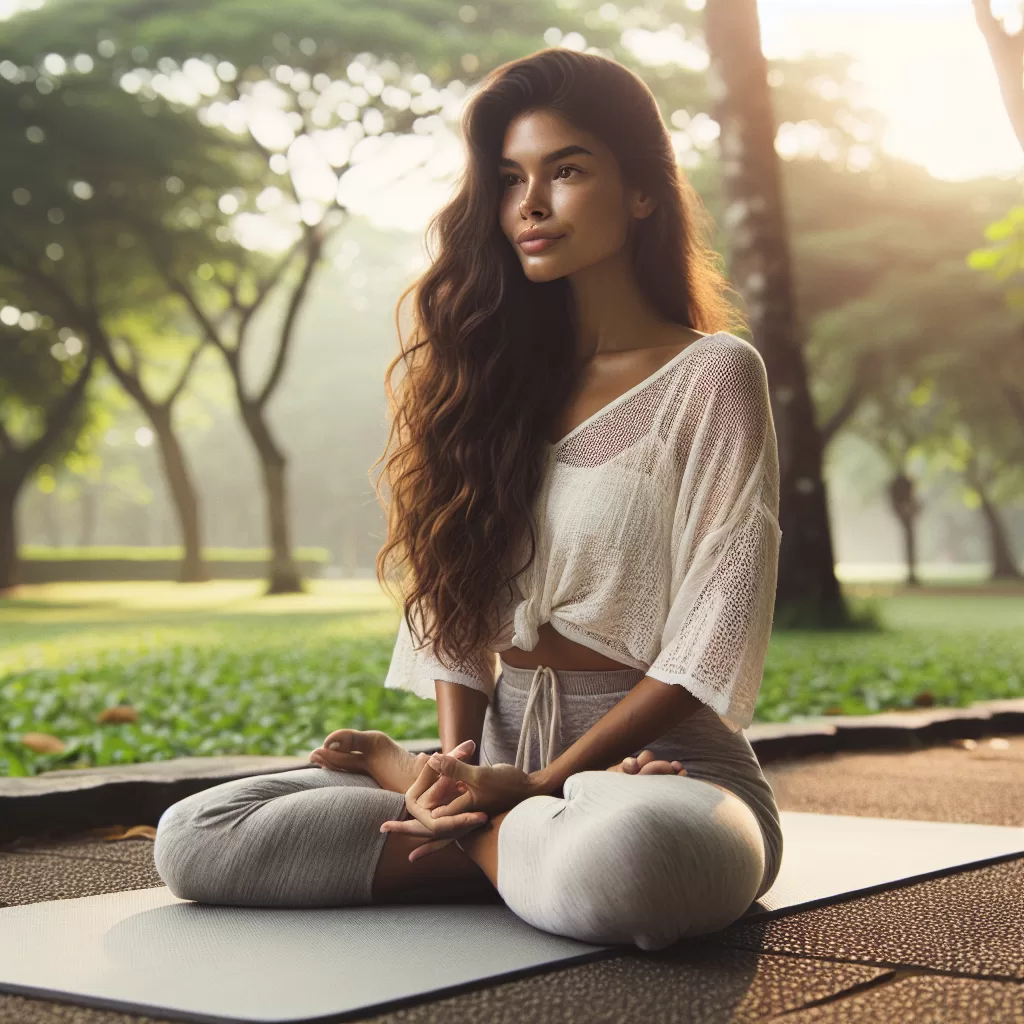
[(524, 621)]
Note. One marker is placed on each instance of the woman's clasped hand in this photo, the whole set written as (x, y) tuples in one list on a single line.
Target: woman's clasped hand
[(450, 798), (436, 815)]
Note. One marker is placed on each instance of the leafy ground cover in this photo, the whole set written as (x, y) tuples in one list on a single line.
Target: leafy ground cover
[(124, 672)]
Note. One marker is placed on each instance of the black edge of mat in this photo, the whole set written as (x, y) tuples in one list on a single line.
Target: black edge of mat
[(359, 1013), (757, 913), (62, 802)]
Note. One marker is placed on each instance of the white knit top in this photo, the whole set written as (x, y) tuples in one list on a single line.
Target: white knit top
[(657, 537)]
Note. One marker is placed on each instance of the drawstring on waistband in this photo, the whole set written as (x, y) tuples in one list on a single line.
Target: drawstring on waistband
[(544, 679)]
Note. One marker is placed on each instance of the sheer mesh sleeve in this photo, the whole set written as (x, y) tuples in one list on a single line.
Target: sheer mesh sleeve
[(725, 539), (415, 669)]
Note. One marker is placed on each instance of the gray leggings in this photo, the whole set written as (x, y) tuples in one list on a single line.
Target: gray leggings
[(642, 860)]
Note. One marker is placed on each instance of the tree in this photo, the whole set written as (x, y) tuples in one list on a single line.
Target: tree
[(1003, 261), (331, 103), (43, 379), (1005, 257), (70, 248), (808, 591), (899, 420), (982, 444), (1007, 52)]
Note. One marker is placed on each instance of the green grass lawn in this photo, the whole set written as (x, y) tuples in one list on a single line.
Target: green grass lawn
[(217, 669)]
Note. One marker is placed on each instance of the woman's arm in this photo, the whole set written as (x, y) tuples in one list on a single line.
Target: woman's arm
[(460, 716), (650, 709)]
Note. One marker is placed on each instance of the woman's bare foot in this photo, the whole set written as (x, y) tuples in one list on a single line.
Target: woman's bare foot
[(645, 764), (374, 753)]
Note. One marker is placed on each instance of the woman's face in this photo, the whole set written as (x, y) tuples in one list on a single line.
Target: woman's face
[(563, 181)]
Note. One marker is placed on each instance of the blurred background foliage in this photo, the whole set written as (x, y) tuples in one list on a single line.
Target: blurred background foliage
[(209, 212)]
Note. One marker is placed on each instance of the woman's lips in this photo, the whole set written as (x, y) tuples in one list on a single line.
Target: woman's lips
[(538, 244)]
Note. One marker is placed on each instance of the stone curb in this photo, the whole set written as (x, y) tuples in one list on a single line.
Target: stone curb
[(72, 800), (60, 802)]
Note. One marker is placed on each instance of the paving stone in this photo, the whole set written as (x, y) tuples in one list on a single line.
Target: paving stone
[(707, 987), (971, 922), (24, 1010), (31, 878), (921, 999), (982, 785), (94, 847)]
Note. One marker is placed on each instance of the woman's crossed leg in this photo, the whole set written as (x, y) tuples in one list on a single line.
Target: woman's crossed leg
[(644, 860)]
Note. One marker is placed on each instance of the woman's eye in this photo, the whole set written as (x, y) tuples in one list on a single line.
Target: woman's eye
[(506, 182)]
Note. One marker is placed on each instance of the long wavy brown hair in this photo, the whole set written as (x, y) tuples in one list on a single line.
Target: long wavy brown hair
[(490, 359)]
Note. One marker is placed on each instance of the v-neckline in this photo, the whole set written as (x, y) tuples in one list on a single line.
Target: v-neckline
[(618, 399)]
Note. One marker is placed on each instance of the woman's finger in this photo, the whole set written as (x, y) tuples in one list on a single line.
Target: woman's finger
[(428, 848), (427, 777), (409, 826), (462, 775), (657, 768), (442, 830), (457, 806), (453, 768)]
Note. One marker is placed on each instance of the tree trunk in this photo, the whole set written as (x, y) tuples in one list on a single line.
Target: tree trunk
[(808, 592), (284, 575), (183, 493), (1004, 565), (905, 505), (9, 576)]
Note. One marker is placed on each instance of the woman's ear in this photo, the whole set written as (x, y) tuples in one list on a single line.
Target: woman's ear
[(641, 206)]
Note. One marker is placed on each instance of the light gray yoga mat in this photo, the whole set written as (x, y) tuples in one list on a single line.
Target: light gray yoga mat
[(146, 951), (827, 856)]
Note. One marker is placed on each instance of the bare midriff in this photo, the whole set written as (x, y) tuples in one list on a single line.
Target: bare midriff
[(560, 653)]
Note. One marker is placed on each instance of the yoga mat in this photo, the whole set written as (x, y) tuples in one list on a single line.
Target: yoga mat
[(829, 856), (146, 951)]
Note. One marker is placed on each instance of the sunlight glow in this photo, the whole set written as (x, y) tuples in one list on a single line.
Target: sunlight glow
[(922, 63), (925, 66)]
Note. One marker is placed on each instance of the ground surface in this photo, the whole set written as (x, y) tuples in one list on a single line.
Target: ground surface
[(947, 949)]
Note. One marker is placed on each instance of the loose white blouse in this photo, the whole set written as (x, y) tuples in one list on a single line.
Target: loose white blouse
[(657, 537)]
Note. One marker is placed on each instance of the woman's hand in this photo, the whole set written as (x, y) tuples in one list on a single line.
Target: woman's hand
[(644, 764), (491, 789), (374, 753), (429, 791)]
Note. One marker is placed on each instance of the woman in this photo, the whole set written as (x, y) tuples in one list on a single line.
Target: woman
[(585, 485)]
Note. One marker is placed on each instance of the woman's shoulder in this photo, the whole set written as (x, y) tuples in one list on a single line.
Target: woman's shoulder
[(724, 368), (724, 387), (723, 354)]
